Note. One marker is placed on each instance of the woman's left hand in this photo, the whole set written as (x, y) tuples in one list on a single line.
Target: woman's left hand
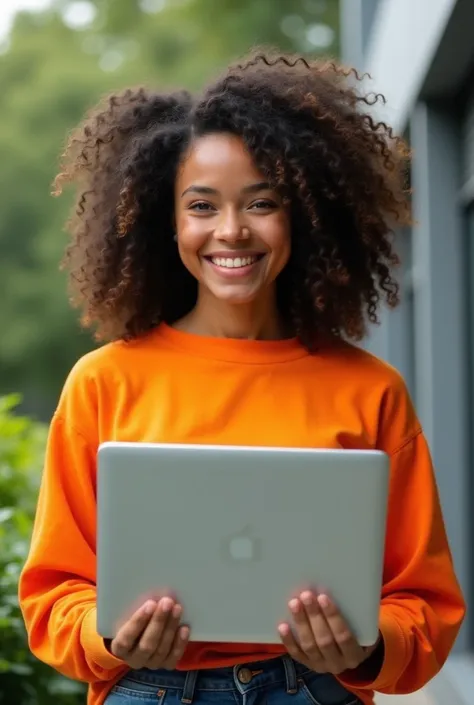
[(322, 639)]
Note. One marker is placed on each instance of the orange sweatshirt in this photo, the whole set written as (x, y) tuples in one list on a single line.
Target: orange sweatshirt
[(171, 386)]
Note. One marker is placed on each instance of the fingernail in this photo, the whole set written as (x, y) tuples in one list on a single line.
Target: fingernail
[(149, 607), (166, 604), (324, 601), (184, 632), (177, 609), (306, 598), (283, 629), (294, 605)]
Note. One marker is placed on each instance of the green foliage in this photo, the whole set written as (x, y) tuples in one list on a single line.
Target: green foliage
[(23, 679), (54, 66)]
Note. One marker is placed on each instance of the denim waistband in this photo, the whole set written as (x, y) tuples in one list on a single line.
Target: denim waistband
[(245, 677)]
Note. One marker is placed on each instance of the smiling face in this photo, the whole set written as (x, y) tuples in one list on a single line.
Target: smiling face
[(233, 229)]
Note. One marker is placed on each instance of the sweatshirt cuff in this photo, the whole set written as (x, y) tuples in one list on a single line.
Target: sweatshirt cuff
[(94, 646), (393, 662)]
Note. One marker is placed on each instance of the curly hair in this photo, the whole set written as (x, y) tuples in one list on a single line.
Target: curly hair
[(309, 130)]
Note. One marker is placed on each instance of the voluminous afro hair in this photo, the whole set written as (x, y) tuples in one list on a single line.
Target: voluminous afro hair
[(309, 128)]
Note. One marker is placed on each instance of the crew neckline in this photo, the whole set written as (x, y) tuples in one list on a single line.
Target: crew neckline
[(233, 349)]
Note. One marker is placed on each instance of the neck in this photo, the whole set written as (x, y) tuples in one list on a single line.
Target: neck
[(258, 320)]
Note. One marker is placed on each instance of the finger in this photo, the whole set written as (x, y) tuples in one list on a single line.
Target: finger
[(152, 635), (164, 644), (304, 632), (178, 648), (352, 652), (289, 642), (323, 635), (127, 637)]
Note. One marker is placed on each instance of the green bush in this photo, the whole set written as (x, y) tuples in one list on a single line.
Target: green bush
[(23, 679)]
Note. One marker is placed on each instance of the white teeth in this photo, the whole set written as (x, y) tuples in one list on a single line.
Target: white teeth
[(233, 262)]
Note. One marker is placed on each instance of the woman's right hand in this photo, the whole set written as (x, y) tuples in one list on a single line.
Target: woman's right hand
[(152, 637)]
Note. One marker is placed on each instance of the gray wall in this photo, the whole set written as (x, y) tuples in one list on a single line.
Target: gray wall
[(395, 42)]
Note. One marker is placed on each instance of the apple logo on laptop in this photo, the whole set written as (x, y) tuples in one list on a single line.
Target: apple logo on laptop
[(243, 546)]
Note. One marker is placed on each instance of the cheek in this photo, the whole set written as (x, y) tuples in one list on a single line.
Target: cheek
[(279, 243), (192, 236)]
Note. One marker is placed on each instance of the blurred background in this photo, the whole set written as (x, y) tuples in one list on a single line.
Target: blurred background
[(57, 57)]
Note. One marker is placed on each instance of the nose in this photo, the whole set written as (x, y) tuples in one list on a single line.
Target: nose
[(229, 228)]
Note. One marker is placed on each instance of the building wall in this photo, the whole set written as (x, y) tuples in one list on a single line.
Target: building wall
[(420, 54), (394, 41), (401, 47)]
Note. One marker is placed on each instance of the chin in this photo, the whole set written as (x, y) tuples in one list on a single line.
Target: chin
[(237, 299)]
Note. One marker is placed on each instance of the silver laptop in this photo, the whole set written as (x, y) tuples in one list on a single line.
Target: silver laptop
[(235, 532)]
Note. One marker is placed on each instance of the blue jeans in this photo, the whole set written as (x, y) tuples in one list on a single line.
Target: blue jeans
[(279, 681)]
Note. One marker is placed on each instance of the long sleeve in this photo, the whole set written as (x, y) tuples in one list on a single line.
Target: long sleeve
[(57, 587), (422, 606)]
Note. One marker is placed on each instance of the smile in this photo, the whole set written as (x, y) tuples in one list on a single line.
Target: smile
[(234, 262), (232, 267)]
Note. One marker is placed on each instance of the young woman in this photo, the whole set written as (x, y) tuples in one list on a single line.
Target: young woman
[(230, 245)]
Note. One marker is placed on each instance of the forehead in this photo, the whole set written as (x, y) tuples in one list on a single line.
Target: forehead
[(218, 160)]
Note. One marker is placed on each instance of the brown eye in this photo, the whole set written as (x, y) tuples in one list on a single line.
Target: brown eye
[(264, 205), (201, 206)]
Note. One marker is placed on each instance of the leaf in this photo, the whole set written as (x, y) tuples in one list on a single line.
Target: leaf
[(6, 514), (21, 669), (62, 686)]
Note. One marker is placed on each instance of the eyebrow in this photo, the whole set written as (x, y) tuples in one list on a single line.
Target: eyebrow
[(206, 190)]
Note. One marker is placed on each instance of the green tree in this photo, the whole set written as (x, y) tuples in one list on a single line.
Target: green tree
[(57, 63)]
